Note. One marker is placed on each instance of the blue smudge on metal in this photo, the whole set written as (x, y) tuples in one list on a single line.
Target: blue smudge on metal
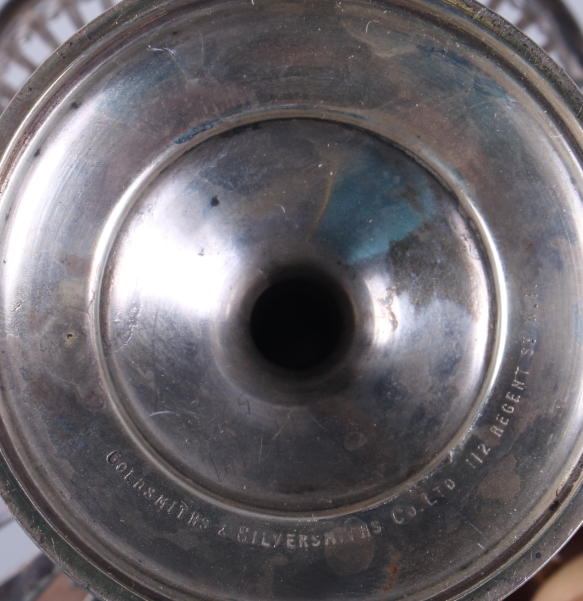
[(195, 131), (374, 201), (207, 125)]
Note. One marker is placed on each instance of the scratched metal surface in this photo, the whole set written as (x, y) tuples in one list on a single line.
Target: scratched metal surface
[(30, 30), (192, 156), (375, 512)]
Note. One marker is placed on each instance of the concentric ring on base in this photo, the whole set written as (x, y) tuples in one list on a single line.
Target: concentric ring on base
[(138, 112), (291, 201)]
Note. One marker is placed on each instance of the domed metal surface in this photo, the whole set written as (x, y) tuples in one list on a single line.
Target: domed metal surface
[(291, 302), (282, 203)]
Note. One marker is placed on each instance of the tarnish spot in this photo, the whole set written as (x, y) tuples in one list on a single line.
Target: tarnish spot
[(502, 483), (392, 572), (353, 548), (355, 440), (204, 127)]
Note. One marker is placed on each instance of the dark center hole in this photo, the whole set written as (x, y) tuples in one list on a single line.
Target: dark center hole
[(297, 323)]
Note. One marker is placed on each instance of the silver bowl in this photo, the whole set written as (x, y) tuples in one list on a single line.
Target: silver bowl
[(291, 302)]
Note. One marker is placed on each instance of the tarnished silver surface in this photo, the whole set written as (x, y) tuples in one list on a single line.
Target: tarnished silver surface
[(30, 30), (291, 302), (277, 204)]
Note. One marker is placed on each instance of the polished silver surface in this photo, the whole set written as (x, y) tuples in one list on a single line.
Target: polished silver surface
[(290, 301), (30, 30), (317, 214)]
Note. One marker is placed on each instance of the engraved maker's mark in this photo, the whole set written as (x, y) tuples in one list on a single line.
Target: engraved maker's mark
[(301, 539), (174, 508), (425, 499)]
